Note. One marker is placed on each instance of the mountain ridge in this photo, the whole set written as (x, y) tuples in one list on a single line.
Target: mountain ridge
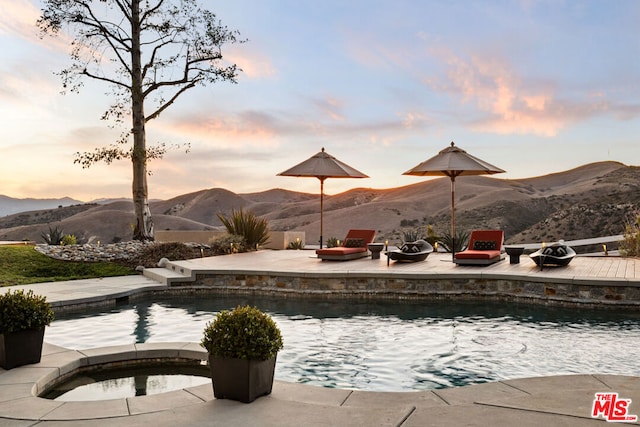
[(588, 201), (11, 205)]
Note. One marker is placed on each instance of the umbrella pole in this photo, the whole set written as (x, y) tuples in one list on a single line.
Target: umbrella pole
[(321, 207), (453, 218)]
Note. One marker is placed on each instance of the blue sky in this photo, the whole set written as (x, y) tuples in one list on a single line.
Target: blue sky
[(533, 87)]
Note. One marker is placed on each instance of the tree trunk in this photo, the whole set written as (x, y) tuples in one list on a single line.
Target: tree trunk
[(143, 229)]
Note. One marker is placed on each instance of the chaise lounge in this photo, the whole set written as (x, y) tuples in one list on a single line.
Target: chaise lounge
[(411, 251), (353, 246), (485, 247), (557, 254)]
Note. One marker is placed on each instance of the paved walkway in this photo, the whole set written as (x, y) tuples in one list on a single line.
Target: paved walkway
[(553, 401)]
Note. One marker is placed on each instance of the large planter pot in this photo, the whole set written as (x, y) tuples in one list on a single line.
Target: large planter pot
[(240, 379), (21, 348)]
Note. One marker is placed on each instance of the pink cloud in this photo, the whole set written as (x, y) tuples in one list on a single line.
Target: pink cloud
[(18, 19), (506, 104), (225, 130), (413, 119), (330, 107), (254, 64)]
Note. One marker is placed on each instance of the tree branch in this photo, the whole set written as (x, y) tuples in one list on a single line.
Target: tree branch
[(166, 105), (104, 79)]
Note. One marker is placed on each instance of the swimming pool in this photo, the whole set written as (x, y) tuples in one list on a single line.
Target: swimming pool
[(388, 346)]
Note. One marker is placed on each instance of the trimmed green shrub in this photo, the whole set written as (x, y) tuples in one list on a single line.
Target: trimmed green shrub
[(432, 237), (151, 254), (255, 230), (242, 333), (630, 245), (69, 239), (228, 244), (21, 311)]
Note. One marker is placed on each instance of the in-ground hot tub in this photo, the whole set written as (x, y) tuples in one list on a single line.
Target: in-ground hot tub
[(127, 378)]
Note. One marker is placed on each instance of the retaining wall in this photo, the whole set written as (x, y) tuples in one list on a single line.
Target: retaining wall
[(563, 292)]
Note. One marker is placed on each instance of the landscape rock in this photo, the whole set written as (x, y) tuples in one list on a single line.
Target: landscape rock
[(89, 252), (94, 252)]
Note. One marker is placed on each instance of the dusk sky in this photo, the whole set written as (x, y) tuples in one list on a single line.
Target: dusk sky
[(533, 87)]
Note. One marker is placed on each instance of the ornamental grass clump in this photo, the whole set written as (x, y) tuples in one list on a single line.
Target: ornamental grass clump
[(20, 311), (461, 239), (253, 229), (242, 333)]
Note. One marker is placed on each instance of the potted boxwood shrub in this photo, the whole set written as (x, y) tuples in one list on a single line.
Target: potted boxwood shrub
[(23, 317), (243, 345)]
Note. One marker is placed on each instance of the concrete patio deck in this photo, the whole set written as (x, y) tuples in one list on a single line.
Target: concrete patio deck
[(606, 280), (556, 401)]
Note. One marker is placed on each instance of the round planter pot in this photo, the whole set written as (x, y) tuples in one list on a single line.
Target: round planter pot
[(242, 380), (21, 348)]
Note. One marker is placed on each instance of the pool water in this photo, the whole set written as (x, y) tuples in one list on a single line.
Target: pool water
[(389, 346)]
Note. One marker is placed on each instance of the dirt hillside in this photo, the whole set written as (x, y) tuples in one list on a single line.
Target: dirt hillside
[(590, 201)]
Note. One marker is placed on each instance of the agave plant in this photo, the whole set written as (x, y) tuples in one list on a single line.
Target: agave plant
[(462, 238), (296, 244), (412, 235), (54, 236), (253, 229)]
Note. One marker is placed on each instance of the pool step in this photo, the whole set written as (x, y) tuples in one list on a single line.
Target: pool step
[(169, 274)]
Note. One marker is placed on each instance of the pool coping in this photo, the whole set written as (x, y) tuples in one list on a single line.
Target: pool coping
[(508, 398), (21, 386)]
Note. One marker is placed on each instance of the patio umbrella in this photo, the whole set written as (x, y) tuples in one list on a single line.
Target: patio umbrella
[(322, 166), (453, 162)]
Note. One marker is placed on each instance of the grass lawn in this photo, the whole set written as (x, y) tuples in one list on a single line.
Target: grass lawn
[(20, 265)]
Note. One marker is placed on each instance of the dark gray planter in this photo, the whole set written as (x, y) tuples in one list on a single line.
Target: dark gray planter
[(242, 380), (21, 348)]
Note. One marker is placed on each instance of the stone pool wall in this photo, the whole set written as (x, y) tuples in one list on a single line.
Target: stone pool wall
[(563, 292)]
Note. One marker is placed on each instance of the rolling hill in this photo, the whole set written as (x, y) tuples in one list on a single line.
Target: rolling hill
[(10, 205), (589, 201)]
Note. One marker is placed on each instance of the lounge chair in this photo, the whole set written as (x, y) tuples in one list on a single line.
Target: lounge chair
[(557, 254), (485, 247), (411, 251), (353, 246)]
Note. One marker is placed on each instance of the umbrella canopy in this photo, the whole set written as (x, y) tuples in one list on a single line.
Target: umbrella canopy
[(453, 162), (322, 166)]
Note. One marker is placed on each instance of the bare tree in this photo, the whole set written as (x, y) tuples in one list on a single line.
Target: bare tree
[(149, 52)]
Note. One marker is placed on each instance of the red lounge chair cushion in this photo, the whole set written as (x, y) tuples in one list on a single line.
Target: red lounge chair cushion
[(340, 250), (474, 254)]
